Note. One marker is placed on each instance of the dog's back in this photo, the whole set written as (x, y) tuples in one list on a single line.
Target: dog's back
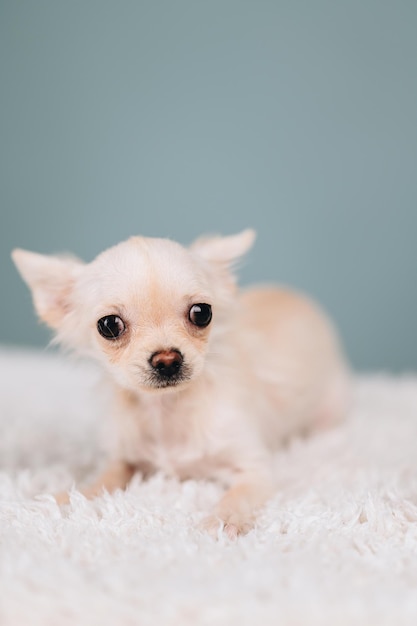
[(292, 362)]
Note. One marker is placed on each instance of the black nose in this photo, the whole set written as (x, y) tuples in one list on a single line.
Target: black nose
[(167, 363)]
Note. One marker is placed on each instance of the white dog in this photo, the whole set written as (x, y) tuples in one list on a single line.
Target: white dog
[(207, 381)]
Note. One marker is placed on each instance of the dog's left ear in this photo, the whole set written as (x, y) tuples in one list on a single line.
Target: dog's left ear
[(50, 279), (224, 251)]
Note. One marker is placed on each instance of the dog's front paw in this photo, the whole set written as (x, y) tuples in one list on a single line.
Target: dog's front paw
[(232, 525), (62, 497)]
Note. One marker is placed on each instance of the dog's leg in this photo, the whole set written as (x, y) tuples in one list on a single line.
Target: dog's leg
[(237, 509), (116, 476)]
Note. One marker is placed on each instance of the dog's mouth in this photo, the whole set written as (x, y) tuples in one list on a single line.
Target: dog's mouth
[(158, 381)]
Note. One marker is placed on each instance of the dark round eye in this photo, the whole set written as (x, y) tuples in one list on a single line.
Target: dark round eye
[(110, 326), (200, 315)]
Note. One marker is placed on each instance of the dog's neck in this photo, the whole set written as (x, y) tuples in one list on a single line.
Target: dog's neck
[(160, 403)]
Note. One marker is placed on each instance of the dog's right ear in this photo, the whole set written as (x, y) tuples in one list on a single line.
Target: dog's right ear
[(51, 280), (224, 251)]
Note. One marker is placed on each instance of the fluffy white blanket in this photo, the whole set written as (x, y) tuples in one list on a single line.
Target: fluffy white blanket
[(337, 545)]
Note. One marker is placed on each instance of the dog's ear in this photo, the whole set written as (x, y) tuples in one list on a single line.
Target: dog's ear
[(51, 280), (224, 250)]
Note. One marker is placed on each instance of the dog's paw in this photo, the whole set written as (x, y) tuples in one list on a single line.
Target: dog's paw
[(63, 497), (232, 525)]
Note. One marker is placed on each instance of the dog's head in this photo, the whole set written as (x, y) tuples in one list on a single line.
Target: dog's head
[(146, 308)]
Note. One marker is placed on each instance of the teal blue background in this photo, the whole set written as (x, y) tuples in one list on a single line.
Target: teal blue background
[(174, 118)]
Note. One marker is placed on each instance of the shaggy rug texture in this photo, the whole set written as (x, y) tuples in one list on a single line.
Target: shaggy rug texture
[(337, 544)]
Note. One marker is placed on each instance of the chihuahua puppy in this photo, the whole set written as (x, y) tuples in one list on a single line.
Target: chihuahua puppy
[(207, 381)]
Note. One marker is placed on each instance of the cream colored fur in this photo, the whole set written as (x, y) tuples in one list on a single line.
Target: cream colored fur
[(267, 366)]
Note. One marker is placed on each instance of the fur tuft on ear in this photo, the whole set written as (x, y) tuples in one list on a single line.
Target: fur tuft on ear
[(224, 250), (50, 279)]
